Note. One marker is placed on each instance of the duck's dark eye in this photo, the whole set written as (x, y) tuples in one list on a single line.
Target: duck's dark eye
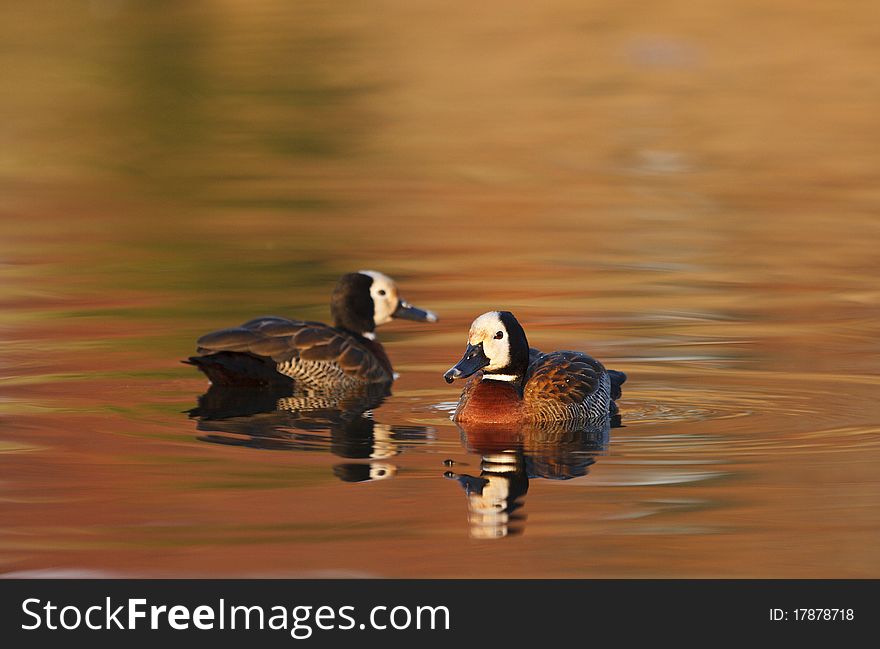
[(382, 292), (499, 335)]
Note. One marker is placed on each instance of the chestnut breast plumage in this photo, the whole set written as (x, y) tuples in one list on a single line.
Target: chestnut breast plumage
[(497, 402)]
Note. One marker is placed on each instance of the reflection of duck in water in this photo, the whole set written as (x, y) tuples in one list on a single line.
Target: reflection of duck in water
[(277, 418), (272, 350), (494, 497), (514, 384), (510, 457)]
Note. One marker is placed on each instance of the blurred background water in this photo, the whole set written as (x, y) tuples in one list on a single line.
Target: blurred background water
[(689, 191)]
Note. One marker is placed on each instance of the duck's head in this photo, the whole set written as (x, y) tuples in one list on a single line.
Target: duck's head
[(366, 299), (497, 345)]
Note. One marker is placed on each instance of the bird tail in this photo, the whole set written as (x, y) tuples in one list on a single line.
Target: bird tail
[(617, 380), (237, 368)]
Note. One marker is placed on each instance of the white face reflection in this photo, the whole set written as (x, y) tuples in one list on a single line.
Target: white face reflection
[(488, 510), (382, 470), (487, 514), (384, 445), (384, 293), (489, 330)]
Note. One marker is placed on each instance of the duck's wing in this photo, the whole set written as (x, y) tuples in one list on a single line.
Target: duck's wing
[(562, 383), (285, 341)]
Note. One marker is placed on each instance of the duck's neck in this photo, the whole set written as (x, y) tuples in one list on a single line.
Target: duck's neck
[(369, 335), (353, 322)]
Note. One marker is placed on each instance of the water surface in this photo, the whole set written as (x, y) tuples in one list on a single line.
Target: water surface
[(688, 192)]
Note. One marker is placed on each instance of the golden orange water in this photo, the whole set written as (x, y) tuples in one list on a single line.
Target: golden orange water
[(689, 191)]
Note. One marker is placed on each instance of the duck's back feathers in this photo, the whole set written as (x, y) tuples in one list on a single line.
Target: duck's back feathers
[(271, 349), (534, 355)]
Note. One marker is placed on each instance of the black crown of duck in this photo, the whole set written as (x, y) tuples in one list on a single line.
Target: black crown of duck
[(514, 383), (312, 355)]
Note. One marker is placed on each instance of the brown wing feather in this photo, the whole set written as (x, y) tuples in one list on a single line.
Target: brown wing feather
[(561, 381), (283, 340), (275, 326)]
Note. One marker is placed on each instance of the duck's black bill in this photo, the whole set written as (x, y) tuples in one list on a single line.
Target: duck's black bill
[(406, 311), (473, 361)]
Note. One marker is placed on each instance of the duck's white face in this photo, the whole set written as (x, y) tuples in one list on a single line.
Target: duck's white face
[(383, 290), (387, 303), (490, 330)]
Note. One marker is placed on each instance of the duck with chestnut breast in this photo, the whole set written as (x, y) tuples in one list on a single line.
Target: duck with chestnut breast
[(515, 384), (312, 355)]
